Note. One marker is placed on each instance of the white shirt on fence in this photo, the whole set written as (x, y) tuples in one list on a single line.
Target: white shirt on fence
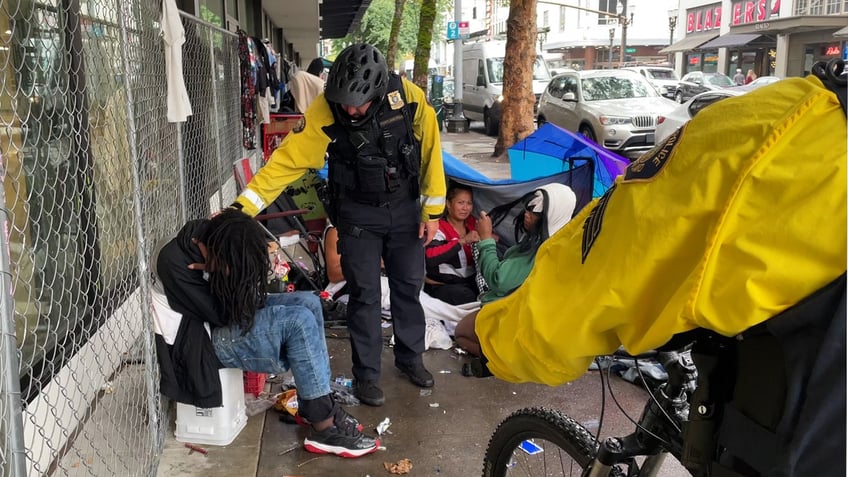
[(173, 34)]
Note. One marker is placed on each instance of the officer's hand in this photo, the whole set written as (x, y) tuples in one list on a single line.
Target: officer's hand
[(431, 228)]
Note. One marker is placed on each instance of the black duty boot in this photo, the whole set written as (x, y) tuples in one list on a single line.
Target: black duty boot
[(369, 393), (417, 373)]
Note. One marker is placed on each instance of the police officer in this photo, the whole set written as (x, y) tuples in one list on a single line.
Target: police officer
[(386, 192)]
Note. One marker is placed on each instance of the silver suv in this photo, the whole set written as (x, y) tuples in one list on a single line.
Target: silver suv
[(617, 109)]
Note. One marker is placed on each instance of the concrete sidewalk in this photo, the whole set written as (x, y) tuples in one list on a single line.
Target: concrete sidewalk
[(444, 431), (242, 456)]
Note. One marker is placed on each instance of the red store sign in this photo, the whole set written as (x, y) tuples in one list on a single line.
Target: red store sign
[(703, 18), (831, 50), (750, 11)]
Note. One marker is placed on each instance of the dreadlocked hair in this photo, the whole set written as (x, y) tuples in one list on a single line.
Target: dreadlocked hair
[(525, 239), (238, 265)]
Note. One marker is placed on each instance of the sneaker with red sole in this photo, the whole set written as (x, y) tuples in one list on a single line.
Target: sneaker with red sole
[(348, 442), (341, 418)]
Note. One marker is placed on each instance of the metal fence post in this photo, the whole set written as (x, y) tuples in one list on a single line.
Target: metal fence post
[(153, 410), (12, 434), (218, 139)]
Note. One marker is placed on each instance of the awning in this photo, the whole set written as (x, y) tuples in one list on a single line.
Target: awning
[(791, 25), (730, 40), (689, 43), (841, 33)]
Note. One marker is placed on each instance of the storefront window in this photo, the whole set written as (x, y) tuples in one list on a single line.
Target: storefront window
[(65, 155), (212, 11), (46, 186), (693, 62), (710, 61)]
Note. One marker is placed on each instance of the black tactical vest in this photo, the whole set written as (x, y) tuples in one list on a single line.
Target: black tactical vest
[(380, 161)]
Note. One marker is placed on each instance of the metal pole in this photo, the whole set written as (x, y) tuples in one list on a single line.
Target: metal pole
[(672, 23), (670, 41), (218, 139), (612, 37), (12, 430), (154, 422), (624, 23), (457, 123)]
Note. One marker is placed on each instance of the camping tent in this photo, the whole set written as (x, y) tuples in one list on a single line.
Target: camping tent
[(488, 193), (551, 150)]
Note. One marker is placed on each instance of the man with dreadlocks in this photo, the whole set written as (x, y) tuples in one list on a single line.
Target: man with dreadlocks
[(212, 311)]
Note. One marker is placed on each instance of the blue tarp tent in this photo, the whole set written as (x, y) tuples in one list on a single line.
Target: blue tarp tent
[(489, 193), (551, 150)]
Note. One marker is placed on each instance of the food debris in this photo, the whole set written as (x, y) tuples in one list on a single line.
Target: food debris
[(402, 466)]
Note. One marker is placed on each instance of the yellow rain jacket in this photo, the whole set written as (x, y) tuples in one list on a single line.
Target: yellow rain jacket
[(305, 148), (726, 224)]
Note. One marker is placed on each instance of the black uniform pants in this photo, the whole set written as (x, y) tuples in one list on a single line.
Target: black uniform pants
[(367, 234)]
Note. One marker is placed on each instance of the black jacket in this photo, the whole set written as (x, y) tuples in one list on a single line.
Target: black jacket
[(189, 367)]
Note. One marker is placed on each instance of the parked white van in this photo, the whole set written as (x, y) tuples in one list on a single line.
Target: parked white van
[(482, 82)]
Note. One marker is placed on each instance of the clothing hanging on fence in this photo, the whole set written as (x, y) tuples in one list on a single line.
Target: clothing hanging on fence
[(173, 35), (248, 91)]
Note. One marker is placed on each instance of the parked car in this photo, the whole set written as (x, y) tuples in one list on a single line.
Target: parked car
[(664, 79), (681, 114), (698, 82), (761, 81), (617, 109)]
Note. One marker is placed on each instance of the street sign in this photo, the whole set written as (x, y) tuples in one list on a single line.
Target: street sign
[(464, 31), (630, 50), (453, 30)]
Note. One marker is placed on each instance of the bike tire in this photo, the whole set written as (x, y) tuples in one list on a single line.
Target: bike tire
[(569, 446)]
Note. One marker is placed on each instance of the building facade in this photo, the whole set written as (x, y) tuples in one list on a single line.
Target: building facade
[(770, 37), (95, 173)]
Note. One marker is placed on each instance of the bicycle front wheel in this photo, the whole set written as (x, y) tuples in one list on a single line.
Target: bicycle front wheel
[(539, 442)]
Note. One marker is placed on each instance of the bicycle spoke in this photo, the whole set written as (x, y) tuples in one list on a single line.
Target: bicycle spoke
[(549, 461)]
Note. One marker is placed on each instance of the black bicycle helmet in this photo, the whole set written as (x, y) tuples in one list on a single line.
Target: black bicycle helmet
[(358, 75)]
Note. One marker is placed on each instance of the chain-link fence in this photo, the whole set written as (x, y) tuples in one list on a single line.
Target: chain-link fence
[(93, 177)]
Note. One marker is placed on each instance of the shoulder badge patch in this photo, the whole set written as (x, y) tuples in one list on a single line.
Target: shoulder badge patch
[(395, 100), (652, 162), (593, 223), (300, 125)]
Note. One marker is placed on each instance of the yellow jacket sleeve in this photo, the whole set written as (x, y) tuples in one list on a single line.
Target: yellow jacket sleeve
[(302, 149), (425, 126), (726, 224)]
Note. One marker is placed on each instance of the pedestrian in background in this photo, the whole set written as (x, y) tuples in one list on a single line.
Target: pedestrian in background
[(386, 193), (739, 78), (305, 86), (751, 76)]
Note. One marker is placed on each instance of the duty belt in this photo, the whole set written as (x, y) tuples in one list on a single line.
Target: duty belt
[(382, 199)]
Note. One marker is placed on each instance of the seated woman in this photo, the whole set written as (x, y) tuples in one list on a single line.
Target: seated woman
[(546, 210), (450, 267)]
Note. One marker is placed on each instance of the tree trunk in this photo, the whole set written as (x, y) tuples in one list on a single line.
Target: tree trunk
[(425, 37), (391, 53), (517, 106)]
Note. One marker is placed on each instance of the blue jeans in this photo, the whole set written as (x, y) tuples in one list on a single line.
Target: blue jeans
[(288, 333)]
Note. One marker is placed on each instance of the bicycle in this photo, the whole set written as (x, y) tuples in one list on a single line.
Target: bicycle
[(541, 441)]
